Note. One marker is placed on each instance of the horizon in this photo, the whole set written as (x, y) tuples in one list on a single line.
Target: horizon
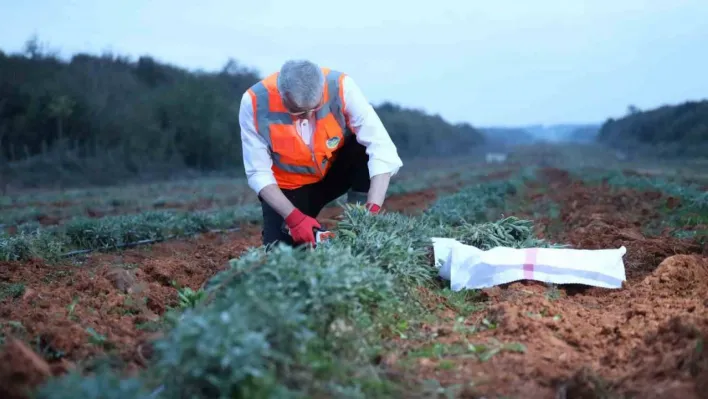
[(545, 64)]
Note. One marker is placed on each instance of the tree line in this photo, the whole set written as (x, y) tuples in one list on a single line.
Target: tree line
[(670, 130), (101, 119)]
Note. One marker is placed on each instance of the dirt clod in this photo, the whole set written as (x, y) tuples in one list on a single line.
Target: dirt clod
[(681, 274), (584, 384), (20, 370), (123, 280)]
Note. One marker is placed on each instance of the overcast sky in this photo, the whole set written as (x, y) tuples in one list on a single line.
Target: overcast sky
[(507, 62)]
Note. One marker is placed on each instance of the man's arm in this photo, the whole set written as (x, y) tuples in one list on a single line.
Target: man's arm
[(277, 200), (258, 163), (384, 161), (378, 188)]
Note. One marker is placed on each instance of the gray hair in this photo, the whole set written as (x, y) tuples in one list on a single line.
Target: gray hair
[(303, 83)]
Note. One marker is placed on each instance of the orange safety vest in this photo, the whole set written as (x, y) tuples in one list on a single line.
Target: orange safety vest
[(294, 164)]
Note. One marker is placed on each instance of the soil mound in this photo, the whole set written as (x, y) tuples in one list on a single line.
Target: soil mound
[(682, 275), (21, 370)]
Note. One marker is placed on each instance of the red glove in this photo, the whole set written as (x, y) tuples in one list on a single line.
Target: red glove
[(373, 208), (301, 227)]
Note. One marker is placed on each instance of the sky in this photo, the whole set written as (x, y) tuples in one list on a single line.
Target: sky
[(503, 62)]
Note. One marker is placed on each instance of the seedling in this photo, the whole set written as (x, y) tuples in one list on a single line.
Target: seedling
[(188, 298)]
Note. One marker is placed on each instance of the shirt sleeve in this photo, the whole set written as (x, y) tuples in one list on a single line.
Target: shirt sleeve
[(256, 155), (370, 131)]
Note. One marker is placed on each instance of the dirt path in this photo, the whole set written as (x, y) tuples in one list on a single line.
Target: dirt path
[(641, 341)]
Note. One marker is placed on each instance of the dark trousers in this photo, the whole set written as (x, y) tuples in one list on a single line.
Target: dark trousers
[(349, 172)]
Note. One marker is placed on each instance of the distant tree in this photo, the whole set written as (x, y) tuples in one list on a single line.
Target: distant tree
[(34, 49), (632, 110), (60, 109)]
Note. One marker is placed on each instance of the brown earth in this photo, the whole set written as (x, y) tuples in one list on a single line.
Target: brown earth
[(119, 295), (596, 217), (642, 341)]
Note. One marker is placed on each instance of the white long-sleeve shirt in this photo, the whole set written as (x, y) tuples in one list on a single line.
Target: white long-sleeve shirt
[(363, 120)]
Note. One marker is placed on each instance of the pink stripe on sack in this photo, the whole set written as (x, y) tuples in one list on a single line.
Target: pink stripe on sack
[(529, 262)]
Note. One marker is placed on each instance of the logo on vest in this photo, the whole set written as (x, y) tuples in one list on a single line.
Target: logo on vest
[(332, 143)]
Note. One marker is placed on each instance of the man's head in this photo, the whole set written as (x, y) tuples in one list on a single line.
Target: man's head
[(301, 83)]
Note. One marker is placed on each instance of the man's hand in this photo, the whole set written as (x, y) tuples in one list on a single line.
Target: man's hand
[(373, 208), (301, 227)]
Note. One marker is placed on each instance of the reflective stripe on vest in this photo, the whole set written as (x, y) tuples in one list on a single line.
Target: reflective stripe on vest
[(265, 117)]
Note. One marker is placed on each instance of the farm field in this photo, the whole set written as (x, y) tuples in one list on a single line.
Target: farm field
[(200, 311)]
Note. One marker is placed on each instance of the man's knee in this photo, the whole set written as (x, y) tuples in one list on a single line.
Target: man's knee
[(357, 195), (272, 236), (358, 161), (272, 232)]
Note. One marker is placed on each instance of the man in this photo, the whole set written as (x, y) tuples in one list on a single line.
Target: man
[(310, 136)]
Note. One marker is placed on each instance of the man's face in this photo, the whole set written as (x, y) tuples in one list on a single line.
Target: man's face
[(299, 112)]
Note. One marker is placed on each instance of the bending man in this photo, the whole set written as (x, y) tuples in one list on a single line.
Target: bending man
[(310, 136)]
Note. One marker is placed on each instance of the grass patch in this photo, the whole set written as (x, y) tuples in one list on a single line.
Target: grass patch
[(465, 349), (463, 302), (684, 210), (119, 231), (11, 290), (481, 202)]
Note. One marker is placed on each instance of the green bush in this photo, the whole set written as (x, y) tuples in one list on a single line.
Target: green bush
[(701, 201), (393, 242), (102, 385), (267, 314), (508, 232)]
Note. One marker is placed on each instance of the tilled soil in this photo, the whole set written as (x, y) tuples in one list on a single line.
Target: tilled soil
[(642, 341), (70, 314)]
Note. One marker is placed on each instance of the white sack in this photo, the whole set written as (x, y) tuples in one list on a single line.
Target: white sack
[(468, 267)]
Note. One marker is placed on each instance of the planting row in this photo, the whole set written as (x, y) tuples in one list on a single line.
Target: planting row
[(685, 210), (87, 234), (308, 323), (37, 210)]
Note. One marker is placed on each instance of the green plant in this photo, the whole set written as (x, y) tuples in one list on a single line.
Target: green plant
[(104, 384), (270, 317), (11, 290), (188, 298), (474, 204)]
